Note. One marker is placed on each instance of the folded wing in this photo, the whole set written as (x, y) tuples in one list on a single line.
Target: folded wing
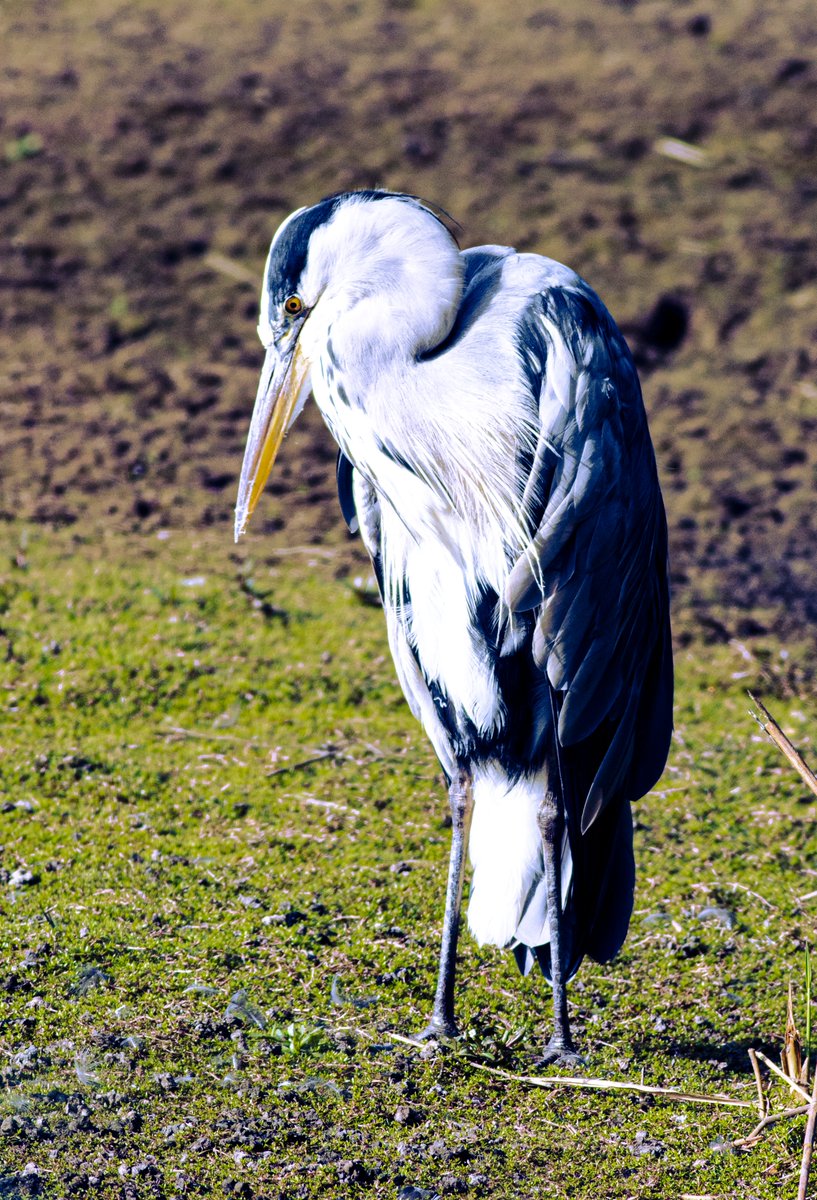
[(595, 570)]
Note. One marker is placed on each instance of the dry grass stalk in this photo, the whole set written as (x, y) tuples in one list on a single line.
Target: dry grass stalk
[(808, 1143), (229, 267), (793, 1084), (207, 735), (761, 1098), (773, 731), (791, 1056), (609, 1085), (770, 1119)]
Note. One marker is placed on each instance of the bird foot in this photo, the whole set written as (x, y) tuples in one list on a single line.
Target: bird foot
[(439, 1027), (560, 1053)]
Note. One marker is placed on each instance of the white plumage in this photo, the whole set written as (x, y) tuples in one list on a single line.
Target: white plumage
[(508, 861)]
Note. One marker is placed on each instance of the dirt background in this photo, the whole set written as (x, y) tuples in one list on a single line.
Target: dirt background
[(147, 153)]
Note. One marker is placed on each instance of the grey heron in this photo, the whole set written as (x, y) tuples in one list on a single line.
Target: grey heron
[(494, 455)]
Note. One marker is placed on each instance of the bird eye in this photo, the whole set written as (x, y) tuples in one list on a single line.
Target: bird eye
[(293, 305)]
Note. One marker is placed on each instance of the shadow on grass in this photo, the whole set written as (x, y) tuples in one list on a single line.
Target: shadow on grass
[(734, 1055)]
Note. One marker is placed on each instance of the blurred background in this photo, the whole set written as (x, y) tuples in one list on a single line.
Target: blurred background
[(666, 150)]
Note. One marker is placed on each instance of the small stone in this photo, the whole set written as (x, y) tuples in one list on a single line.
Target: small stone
[(90, 977), (22, 877), (235, 1187), (25, 1059), (450, 1185), (147, 1166), (721, 916), (700, 25), (645, 1145), (352, 1171)]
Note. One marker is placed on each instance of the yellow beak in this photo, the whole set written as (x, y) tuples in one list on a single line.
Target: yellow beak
[(282, 391)]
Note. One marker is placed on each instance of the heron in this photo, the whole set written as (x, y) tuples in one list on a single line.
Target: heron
[(494, 455)]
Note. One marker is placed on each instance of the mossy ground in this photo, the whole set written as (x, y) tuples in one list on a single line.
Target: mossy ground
[(213, 786)]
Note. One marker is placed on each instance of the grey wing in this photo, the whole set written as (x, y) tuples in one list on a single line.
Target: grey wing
[(344, 474), (595, 571)]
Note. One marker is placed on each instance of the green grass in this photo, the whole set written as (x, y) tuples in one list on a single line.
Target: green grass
[(224, 847)]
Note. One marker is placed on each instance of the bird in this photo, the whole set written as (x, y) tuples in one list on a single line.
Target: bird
[(495, 457)]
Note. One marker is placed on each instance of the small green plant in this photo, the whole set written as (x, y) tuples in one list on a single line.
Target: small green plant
[(491, 1046), (27, 146), (119, 309), (296, 1040)]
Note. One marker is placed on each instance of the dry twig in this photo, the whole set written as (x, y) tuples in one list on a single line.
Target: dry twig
[(305, 762), (808, 1143), (773, 731), (793, 1084), (761, 1099), (207, 735), (228, 266), (769, 1119), (617, 1085)]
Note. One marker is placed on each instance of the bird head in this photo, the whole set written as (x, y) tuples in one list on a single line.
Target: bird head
[(363, 277)]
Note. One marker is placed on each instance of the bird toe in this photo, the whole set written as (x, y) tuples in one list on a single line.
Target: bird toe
[(438, 1029), (558, 1053)]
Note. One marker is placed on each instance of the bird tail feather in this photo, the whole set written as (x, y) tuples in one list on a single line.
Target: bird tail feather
[(508, 904)]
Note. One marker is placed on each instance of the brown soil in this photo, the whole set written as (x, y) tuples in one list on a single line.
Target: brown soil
[(147, 154)]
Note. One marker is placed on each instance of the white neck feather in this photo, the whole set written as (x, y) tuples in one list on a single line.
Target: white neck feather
[(384, 281), (389, 277)]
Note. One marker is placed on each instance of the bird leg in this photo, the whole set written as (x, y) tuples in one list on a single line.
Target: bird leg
[(460, 795), (560, 1048)]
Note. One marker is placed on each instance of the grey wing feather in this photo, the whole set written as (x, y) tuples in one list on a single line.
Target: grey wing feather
[(595, 568), (343, 473), (366, 508)]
